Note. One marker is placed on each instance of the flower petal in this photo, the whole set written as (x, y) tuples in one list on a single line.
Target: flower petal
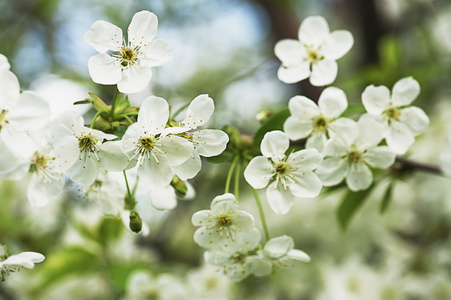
[(445, 162), (104, 36), (343, 127), (155, 174), (303, 108), (156, 53), (176, 150), (298, 255), (112, 156), (32, 112), (134, 79), (314, 31), (274, 145), (224, 204), (9, 89), (399, 137), (359, 177), (104, 69), (279, 199), (296, 129), (290, 52), (376, 99), (317, 141), (85, 170), (259, 172), (324, 72), (415, 118), (306, 184), (337, 146), (332, 171), (380, 157), (307, 159), (278, 247), (295, 73), (33, 256), (332, 102), (405, 91), (199, 111), (338, 44), (163, 198), (154, 114), (40, 190), (142, 28), (210, 142), (189, 168), (203, 218)]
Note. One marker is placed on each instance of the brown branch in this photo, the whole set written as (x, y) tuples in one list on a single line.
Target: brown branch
[(403, 164)]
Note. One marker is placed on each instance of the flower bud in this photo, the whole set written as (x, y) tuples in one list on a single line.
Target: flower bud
[(136, 223), (179, 186), (263, 115)]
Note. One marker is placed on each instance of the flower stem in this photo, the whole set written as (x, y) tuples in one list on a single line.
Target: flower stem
[(237, 180), (262, 214), (229, 175), (130, 197), (113, 105), (94, 119)]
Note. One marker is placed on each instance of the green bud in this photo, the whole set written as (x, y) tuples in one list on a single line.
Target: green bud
[(263, 115), (136, 223), (179, 186), (3, 252)]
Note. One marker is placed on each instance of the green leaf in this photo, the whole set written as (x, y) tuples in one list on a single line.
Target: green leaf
[(275, 122), (354, 109), (110, 230), (386, 199), (351, 202), (225, 156), (82, 102)]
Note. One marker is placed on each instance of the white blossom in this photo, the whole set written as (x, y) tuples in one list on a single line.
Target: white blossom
[(319, 122), (314, 55), (352, 156), (129, 66), (22, 260), (280, 252), (223, 225), (150, 146), (402, 122), (141, 286), (286, 175)]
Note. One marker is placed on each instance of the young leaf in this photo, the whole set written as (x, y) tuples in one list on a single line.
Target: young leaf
[(351, 202), (275, 122), (386, 200)]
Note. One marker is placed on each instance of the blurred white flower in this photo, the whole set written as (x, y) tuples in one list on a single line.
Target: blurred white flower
[(22, 260), (280, 252), (402, 122), (141, 286), (130, 65), (318, 122), (290, 175), (314, 55), (350, 156), (223, 225)]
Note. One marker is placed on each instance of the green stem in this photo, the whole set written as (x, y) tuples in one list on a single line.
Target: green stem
[(113, 105), (262, 214), (94, 119), (237, 180), (180, 110), (229, 176), (128, 119), (130, 197)]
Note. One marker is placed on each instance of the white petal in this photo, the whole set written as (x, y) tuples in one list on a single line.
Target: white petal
[(332, 102), (376, 99), (18, 261), (176, 150), (298, 255), (204, 239), (303, 108), (405, 91), (445, 162), (243, 220), (104, 69), (359, 177), (156, 53), (317, 141), (199, 111), (415, 118), (85, 170), (143, 27), (223, 204), (307, 159), (154, 113), (380, 157), (258, 172), (290, 52), (324, 72), (13, 165), (40, 191), (163, 198), (259, 266), (342, 126), (9, 89), (399, 137), (306, 184), (314, 31), (112, 156), (337, 146), (134, 79), (104, 36), (33, 256), (189, 168), (371, 131), (67, 124), (203, 218), (32, 112), (279, 199), (274, 145), (338, 44), (296, 129), (210, 142), (279, 246), (4, 64), (332, 171), (155, 174), (294, 73)]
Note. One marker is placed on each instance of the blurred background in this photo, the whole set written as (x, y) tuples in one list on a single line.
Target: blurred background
[(225, 49)]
